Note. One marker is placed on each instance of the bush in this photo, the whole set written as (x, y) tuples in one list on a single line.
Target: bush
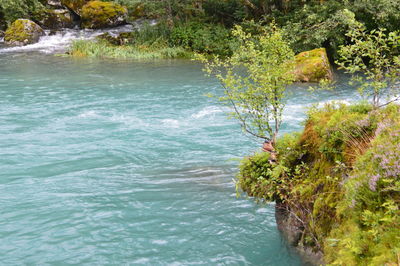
[(16, 9), (340, 179), (256, 178), (202, 38)]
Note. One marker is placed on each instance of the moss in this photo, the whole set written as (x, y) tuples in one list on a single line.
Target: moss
[(74, 5), (52, 19), (313, 66), (97, 14), (22, 32), (340, 183)]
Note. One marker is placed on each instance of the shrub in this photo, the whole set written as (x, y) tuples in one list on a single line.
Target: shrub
[(202, 38)]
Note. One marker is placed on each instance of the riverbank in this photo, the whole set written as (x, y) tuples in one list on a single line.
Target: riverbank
[(336, 184)]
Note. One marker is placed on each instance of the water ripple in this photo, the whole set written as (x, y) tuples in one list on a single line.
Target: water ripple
[(106, 162)]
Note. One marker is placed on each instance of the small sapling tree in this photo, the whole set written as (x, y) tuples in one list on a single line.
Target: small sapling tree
[(255, 79), (374, 62)]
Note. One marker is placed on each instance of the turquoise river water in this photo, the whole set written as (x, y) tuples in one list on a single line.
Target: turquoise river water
[(118, 162)]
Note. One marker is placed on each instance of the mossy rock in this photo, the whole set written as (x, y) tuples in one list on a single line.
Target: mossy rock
[(313, 66), (23, 32), (121, 39), (74, 5), (56, 19), (98, 14)]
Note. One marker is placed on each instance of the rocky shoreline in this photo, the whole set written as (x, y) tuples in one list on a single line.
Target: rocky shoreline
[(292, 232), (65, 14)]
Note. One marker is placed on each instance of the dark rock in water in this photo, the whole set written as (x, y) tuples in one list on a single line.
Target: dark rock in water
[(97, 14), (56, 19), (2, 33), (23, 32), (121, 39), (292, 231)]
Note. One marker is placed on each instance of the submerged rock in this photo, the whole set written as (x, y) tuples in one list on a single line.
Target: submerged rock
[(23, 32), (292, 231), (56, 19), (97, 14), (313, 66)]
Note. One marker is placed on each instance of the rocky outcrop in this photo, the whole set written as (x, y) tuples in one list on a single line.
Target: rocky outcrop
[(56, 19), (23, 32), (292, 232), (74, 5), (97, 14), (313, 66)]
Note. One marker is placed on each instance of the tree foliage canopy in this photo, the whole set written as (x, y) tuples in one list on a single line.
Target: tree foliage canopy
[(373, 58), (255, 78)]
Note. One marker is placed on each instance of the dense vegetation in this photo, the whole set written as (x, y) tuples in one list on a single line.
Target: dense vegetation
[(339, 182), (204, 25)]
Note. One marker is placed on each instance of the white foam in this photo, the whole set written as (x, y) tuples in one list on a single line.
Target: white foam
[(171, 123), (159, 242), (62, 39), (88, 114), (207, 111)]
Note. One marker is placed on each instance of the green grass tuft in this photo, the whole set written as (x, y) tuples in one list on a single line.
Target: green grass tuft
[(102, 49)]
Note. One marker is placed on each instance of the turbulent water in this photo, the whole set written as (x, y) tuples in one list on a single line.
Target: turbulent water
[(53, 42), (121, 162)]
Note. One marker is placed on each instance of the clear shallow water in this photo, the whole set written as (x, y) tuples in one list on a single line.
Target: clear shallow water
[(116, 162)]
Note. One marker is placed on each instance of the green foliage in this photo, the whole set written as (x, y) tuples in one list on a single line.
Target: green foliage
[(314, 26), (343, 131), (373, 58), (103, 49), (191, 37), (340, 179), (16, 9), (202, 38), (377, 14), (229, 12), (370, 210), (256, 177), (255, 79)]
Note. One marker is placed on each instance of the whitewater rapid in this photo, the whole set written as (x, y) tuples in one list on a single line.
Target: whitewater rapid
[(59, 41)]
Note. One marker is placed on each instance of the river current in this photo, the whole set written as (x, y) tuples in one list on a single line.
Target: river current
[(124, 162)]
